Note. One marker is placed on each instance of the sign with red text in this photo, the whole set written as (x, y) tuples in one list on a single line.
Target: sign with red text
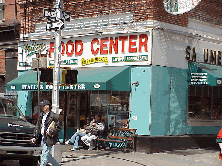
[(91, 51)]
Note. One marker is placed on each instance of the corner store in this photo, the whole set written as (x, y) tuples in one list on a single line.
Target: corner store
[(158, 106)]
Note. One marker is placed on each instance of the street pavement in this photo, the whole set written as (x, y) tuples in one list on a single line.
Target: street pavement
[(112, 157), (186, 157)]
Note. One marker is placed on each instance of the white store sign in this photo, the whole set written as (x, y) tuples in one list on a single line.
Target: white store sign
[(174, 50), (91, 51)]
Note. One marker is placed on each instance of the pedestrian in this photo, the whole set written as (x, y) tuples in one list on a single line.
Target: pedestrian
[(219, 141), (80, 133), (47, 129)]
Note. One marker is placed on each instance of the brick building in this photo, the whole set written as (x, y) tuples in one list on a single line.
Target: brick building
[(207, 11), (142, 77), (9, 36)]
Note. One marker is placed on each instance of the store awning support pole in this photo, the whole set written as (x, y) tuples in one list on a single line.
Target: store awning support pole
[(38, 80), (57, 35)]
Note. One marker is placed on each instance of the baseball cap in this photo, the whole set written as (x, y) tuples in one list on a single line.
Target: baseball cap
[(44, 102)]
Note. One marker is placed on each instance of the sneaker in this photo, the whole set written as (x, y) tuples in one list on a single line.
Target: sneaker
[(67, 142), (91, 148), (74, 149)]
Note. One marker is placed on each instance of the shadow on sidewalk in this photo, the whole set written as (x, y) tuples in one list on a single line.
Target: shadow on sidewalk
[(193, 151)]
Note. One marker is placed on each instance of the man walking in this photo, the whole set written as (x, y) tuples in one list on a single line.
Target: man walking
[(48, 127)]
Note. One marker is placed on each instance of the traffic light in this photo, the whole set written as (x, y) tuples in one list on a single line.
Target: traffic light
[(71, 77), (46, 75)]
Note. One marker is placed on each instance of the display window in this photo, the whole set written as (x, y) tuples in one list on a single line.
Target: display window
[(204, 105), (113, 106), (46, 95)]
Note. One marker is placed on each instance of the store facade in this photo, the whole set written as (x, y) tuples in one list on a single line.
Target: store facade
[(104, 64), (142, 79)]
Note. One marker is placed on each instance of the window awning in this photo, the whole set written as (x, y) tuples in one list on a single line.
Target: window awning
[(212, 73), (89, 78)]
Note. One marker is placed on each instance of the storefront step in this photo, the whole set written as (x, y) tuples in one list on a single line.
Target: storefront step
[(149, 144)]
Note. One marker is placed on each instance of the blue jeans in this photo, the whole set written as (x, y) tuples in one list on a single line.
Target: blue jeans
[(47, 157), (75, 139)]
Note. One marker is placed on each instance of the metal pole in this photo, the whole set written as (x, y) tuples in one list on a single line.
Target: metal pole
[(38, 81), (56, 149), (57, 35)]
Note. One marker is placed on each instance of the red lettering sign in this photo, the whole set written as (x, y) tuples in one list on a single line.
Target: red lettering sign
[(72, 49), (51, 48), (131, 43), (123, 39), (143, 43), (63, 48), (94, 52), (103, 45), (78, 42), (113, 45)]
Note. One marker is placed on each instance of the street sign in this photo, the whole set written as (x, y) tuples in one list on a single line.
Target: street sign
[(55, 25), (66, 15), (49, 13)]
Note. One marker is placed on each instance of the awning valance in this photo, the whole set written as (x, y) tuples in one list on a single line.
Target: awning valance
[(89, 78), (204, 74)]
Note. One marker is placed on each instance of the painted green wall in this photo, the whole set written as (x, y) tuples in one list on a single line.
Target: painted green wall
[(25, 100), (140, 100), (169, 101)]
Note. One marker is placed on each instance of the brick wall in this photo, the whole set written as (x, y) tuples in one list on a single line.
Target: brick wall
[(2, 61), (10, 15), (207, 10)]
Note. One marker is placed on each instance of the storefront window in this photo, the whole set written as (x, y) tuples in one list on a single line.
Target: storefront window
[(46, 95), (113, 106), (204, 105), (76, 106)]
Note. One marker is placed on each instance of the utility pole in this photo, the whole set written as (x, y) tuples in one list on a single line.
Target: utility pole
[(57, 48)]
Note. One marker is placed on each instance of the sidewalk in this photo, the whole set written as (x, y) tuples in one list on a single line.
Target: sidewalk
[(188, 157)]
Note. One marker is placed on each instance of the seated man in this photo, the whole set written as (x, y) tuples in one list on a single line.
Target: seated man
[(96, 126), (75, 138)]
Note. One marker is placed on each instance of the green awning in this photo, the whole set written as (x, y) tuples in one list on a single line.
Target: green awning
[(198, 72), (89, 78)]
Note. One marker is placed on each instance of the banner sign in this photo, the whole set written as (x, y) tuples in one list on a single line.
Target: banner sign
[(91, 51), (45, 87)]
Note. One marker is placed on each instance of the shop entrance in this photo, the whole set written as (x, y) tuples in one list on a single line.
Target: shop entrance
[(76, 109), (76, 106), (113, 106)]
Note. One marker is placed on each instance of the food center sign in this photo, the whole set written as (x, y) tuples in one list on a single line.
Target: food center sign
[(95, 51)]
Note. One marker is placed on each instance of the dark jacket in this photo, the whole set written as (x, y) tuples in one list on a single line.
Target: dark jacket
[(52, 139)]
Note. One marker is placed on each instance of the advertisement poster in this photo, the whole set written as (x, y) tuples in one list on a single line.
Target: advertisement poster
[(111, 121)]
